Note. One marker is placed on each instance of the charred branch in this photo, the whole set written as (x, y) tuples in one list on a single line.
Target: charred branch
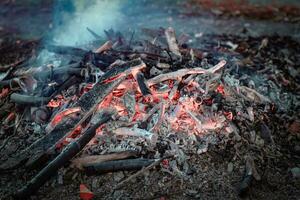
[(67, 154)]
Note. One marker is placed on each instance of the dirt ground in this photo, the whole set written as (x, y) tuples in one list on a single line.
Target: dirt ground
[(217, 173)]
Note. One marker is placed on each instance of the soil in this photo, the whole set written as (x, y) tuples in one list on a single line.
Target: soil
[(217, 173)]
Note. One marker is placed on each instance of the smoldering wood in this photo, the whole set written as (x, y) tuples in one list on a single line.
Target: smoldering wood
[(49, 140), (68, 153), (87, 103), (117, 165), (88, 99), (66, 129), (66, 84)]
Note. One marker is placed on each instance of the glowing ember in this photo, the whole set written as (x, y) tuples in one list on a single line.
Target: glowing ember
[(57, 102), (180, 108), (59, 117), (220, 89)]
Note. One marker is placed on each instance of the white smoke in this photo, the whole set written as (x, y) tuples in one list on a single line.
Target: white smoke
[(97, 15)]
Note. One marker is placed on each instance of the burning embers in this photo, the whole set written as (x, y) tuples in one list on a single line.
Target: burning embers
[(149, 95), (158, 102)]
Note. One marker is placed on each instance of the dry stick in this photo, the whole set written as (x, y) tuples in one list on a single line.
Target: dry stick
[(69, 152), (182, 72), (157, 162), (172, 43)]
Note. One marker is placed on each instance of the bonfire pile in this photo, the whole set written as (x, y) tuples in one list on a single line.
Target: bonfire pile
[(147, 98)]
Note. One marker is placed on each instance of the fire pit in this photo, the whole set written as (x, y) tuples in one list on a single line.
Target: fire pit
[(156, 99)]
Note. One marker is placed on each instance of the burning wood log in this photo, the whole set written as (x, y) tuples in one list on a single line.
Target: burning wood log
[(63, 131), (67, 154), (182, 72), (47, 141), (87, 102)]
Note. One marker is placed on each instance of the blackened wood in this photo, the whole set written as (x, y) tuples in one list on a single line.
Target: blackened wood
[(28, 100), (67, 50), (8, 83), (59, 71), (66, 84), (142, 83), (68, 153), (47, 141), (86, 102), (88, 99), (117, 165)]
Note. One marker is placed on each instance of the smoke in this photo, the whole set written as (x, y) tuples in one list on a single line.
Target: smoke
[(72, 17)]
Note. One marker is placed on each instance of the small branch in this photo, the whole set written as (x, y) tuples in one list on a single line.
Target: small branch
[(177, 75), (172, 43)]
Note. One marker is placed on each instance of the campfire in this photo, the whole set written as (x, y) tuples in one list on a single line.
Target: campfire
[(130, 103)]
